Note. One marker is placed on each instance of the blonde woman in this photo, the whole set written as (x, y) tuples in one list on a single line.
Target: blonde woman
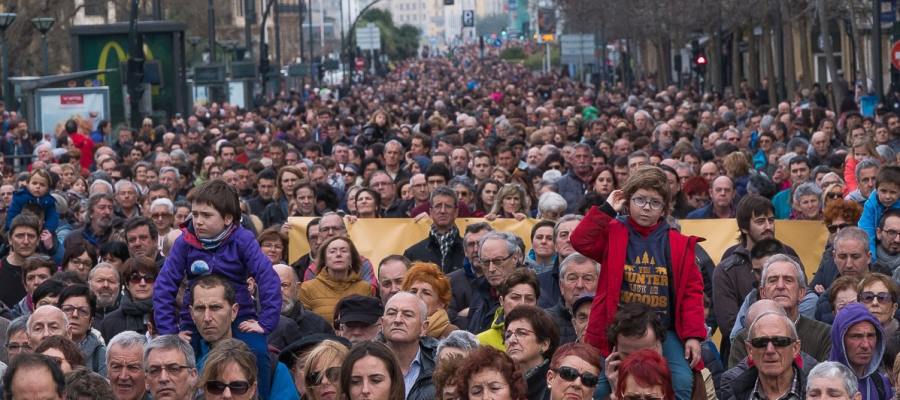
[(510, 202)]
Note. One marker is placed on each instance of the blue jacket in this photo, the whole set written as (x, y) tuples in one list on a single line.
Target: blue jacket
[(571, 188), (236, 259), (22, 197), (872, 211), (782, 204), (850, 315)]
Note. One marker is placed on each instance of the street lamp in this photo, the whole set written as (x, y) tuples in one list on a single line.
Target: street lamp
[(43, 25), (194, 41), (6, 19)]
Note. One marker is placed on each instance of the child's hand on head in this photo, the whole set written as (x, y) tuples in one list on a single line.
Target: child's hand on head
[(617, 200), (47, 238)]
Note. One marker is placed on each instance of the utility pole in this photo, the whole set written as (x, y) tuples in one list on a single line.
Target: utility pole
[(157, 10), (876, 50), (312, 76), (249, 20), (135, 66), (211, 14)]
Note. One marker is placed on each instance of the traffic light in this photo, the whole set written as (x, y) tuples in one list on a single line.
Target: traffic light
[(503, 32), (700, 63)]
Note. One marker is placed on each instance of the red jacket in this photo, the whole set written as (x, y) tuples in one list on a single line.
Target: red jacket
[(605, 239), (86, 145)]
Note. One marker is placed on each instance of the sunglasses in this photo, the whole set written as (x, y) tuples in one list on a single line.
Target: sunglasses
[(218, 387), (883, 297), (777, 341), (569, 374), (137, 278), (833, 195), (315, 378), (834, 228)]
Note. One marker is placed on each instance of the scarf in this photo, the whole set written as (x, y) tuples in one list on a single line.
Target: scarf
[(438, 323), (445, 240), (892, 262), (136, 313), (535, 369), (214, 243)]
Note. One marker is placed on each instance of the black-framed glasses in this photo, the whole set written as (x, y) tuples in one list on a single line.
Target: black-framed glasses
[(777, 341), (495, 261), (171, 369), (315, 378), (869, 297), (218, 387), (69, 310), (642, 202), (833, 195), (569, 374), (889, 234), (137, 278), (17, 347), (834, 228)]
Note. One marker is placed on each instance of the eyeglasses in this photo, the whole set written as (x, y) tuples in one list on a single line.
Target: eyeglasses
[(218, 387), (272, 246), (171, 369), (70, 310), (777, 341), (642, 202), (315, 378), (17, 347), (349, 173), (518, 333), (331, 229), (381, 184), (160, 215), (80, 263), (495, 261), (569, 374), (889, 234), (556, 167), (833, 195), (137, 278), (834, 228), (442, 207), (869, 297)]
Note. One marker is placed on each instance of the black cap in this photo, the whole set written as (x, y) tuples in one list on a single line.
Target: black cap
[(363, 309), (586, 297), (289, 354), (516, 142)]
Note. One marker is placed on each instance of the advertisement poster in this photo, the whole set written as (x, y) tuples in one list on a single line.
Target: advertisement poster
[(88, 106)]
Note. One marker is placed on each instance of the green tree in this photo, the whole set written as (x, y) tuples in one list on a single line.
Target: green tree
[(408, 38), (398, 42)]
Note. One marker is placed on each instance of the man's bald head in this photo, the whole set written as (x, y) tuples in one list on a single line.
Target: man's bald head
[(760, 307)]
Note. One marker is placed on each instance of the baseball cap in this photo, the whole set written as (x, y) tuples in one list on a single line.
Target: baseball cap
[(586, 297), (360, 309), (289, 355)]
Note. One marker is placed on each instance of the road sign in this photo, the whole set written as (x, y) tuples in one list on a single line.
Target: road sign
[(577, 49), (243, 70), (368, 37), (468, 17), (207, 74), (298, 70), (498, 43), (895, 55), (360, 63)]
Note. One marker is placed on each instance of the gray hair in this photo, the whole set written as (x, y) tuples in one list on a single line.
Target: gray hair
[(806, 189), (783, 318), (685, 165), (98, 175), (886, 153), (801, 277), (28, 326), (94, 199), (463, 340), (444, 191), (108, 185), (101, 266), (639, 154), (394, 142), (170, 169), (553, 186), (170, 342), (178, 153), (163, 202), (833, 175), (564, 219), (785, 160), (852, 233), (798, 142), (576, 258), (123, 182), (462, 180), (423, 307), (551, 176), (512, 244), (551, 202), (17, 325), (644, 113), (766, 122), (127, 340), (866, 164), (831, 370)]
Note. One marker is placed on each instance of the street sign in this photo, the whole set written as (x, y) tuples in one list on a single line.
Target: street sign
[(498, 43), (368, 37), (207, 74), (243, 70), (895, 55), (577, 49), (468, 17), (298, 70), (360, 63), (331, 65)]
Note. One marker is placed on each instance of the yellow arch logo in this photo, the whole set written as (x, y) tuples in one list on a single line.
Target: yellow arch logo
[(120, 54)]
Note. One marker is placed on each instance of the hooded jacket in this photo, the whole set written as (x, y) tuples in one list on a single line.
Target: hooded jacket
[(850, 315), (605, 239), (237, 258), (322, 294), (23, 197), (95, 352)]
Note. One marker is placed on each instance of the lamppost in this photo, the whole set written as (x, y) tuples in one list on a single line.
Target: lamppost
[(43, 25), (194, 41), (6, 19)]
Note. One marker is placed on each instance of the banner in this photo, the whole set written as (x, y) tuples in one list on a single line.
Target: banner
[(87, 106), (380, 237)]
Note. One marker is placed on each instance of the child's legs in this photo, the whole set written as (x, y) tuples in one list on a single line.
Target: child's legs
[(260, 348), (195, 338), (682, 377)]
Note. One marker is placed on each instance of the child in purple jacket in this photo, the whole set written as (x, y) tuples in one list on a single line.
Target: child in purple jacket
[(213, 242)]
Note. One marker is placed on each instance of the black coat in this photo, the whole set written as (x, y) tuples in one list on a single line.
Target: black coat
[(563, 318), (460, 296), (483, 306), (550, 294), (429, 250)]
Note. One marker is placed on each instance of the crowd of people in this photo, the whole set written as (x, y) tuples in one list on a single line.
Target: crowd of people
[(154, 263)]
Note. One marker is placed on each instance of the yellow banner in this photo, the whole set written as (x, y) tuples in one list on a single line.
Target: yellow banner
[(380, 237)]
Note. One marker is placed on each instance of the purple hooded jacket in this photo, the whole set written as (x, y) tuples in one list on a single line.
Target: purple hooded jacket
[(236, 259), (850, 315)]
